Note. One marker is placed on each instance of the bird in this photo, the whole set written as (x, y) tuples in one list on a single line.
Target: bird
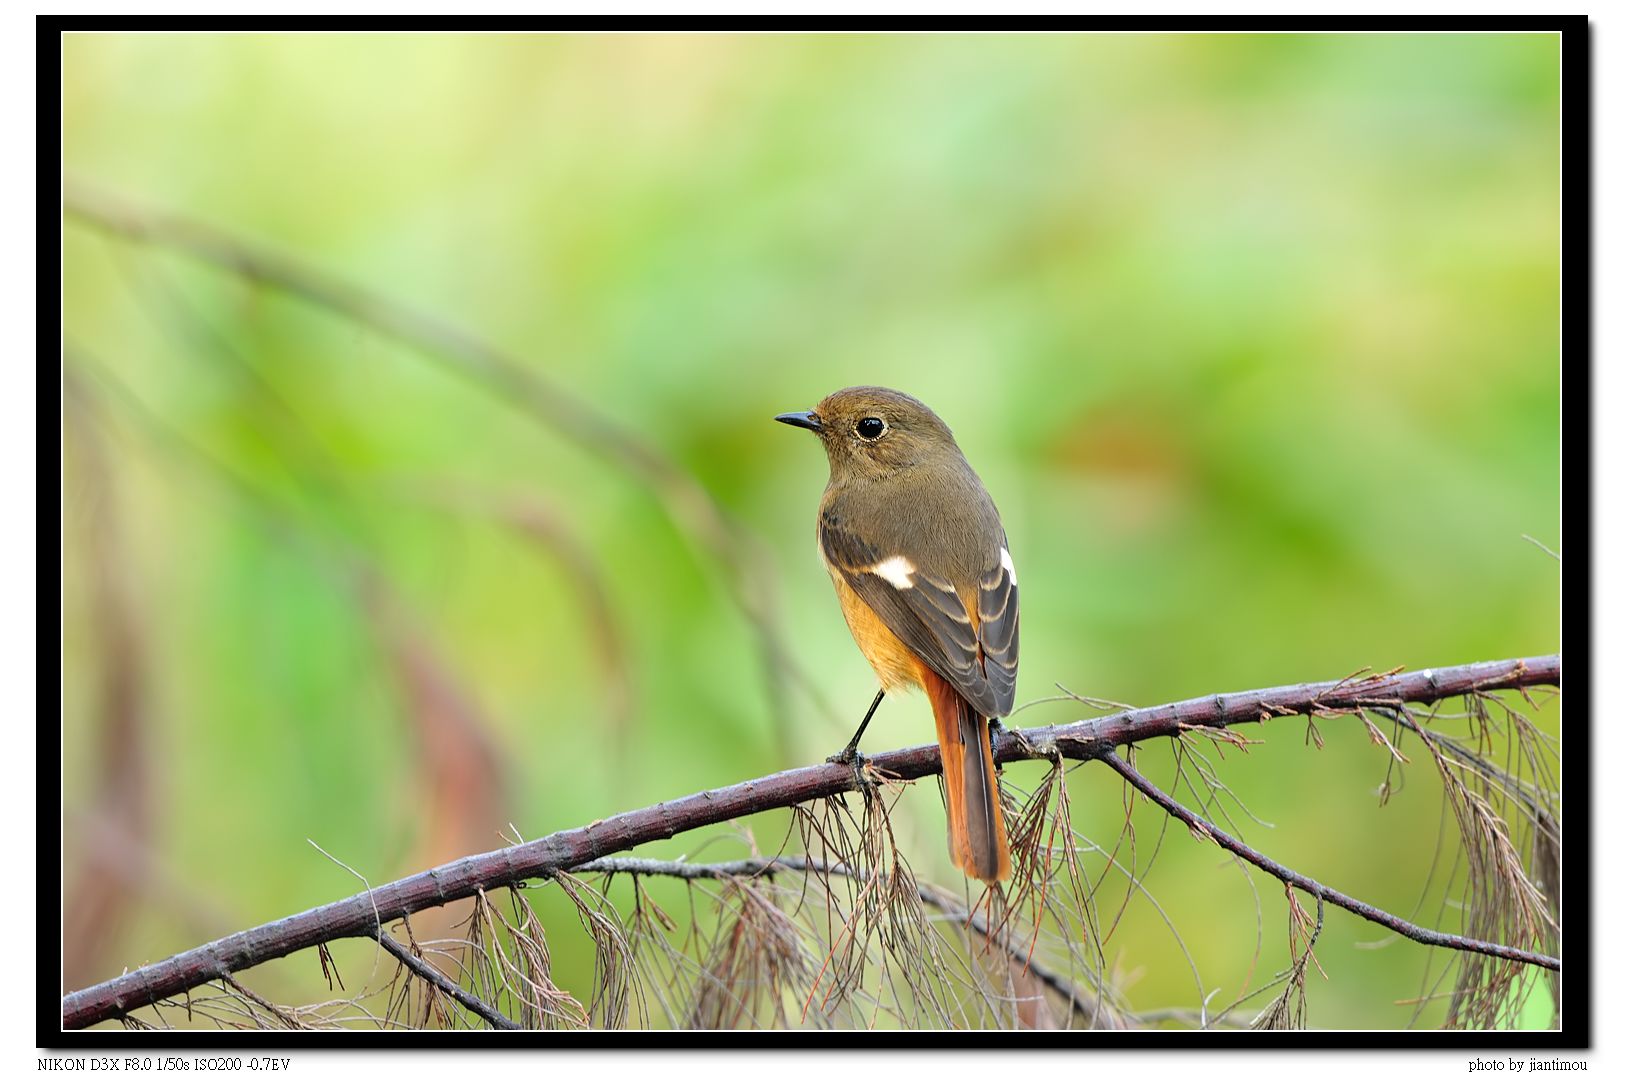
[(922, 568)]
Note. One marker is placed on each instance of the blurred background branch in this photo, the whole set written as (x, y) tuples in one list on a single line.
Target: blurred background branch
[(737, 554)]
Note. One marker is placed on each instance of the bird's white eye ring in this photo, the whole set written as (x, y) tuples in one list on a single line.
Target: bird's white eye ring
[(870, 428)]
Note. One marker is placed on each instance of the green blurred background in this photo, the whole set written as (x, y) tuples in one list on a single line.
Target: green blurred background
[(1254, 340)]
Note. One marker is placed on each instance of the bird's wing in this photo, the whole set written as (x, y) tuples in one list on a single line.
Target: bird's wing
[(999, 629), (975, 650)]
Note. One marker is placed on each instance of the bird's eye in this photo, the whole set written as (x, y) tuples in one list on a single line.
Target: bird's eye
[(871, 428)]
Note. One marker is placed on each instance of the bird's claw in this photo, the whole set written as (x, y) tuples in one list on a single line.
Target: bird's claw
[(851, 756), (845, 757)]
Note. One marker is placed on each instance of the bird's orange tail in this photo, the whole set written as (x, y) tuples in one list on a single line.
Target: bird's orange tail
[(976, 839)]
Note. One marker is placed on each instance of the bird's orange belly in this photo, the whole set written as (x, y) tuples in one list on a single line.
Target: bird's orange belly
[(894, 662)]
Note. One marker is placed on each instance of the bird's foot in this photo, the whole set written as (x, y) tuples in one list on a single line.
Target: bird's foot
[(851, 756)]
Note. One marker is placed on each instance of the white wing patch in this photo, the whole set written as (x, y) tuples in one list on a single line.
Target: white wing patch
[(1009, 566), (898, 570)]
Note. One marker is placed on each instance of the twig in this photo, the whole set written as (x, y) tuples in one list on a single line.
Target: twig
[(1315, 888), (1542, 547), (356, 916), (802, 864), (428, 972)]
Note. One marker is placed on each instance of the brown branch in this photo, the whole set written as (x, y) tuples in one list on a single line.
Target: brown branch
[(99, 904), (1315, 888), (362, 914)]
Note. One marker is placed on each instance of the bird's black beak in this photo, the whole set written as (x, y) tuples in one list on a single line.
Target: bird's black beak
[(808, 420)]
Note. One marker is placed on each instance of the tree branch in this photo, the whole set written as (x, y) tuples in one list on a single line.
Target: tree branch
[(1315, 888), (364, 914)]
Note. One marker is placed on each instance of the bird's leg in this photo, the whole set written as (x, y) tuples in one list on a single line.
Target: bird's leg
[(849, 755), (993, 729)]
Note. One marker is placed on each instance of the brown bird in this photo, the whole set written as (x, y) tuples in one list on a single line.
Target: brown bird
[(923, 572)]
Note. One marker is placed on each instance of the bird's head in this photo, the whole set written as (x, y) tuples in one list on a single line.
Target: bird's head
[(875, 432)]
